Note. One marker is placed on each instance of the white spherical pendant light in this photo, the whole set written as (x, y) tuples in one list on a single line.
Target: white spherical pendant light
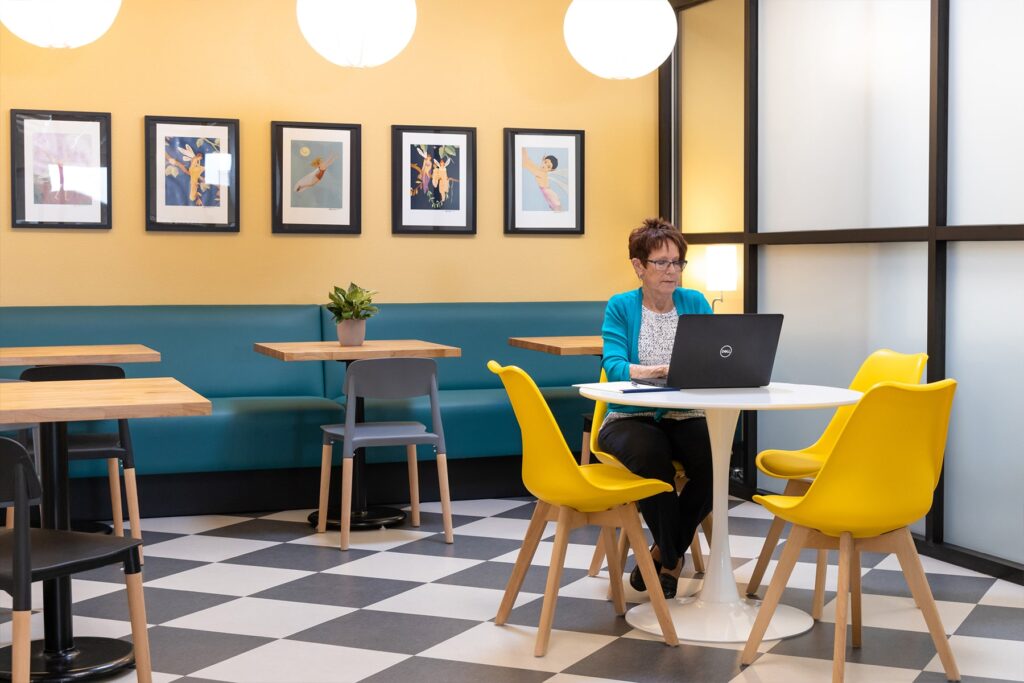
[(358, 33), (58, 23), (620, 38)]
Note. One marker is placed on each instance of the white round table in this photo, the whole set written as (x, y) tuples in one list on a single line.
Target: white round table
[(717, 613)]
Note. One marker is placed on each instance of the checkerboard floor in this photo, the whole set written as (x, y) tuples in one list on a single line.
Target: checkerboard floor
[(260, 597)]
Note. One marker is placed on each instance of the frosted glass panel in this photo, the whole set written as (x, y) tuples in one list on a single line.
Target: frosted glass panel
[(843, 114), (841, 302), (986, 108), (985, 451)]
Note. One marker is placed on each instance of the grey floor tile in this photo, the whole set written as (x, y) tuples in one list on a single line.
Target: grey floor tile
[(947, 587), (299, 556), (182, 651), (467, 547), (496, 575), (335, 589), (434, 521), (524, 511), (748, 526), (646, 661), (423, 669), (154, 568), (263, 530), (936, 677), (575, 614), (880, 646), (811, 555), (387, 631), (162, 605), (988, 621)]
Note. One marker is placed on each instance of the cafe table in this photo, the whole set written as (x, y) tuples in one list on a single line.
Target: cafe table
[(717, 613), (61, 656), (363, 517), (78, 355), (583, 345)]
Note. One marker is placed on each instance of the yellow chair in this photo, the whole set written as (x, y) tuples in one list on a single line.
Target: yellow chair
[(879, 478), (801, 466), (600, 409), (573, 496)]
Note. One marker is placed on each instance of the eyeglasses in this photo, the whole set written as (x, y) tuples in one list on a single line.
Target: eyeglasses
[(665, 264)]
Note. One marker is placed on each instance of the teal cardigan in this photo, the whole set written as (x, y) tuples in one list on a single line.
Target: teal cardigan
[(621, 332)]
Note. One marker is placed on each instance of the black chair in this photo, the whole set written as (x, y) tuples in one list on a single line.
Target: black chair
[(28, 555), (115, 448), (28, 433), (386, 378)]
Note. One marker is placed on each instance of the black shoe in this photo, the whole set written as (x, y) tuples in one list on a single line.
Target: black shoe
[(636, 579), (669, 585)]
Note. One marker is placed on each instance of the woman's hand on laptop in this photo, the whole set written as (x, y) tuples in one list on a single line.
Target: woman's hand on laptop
[(647, 371)]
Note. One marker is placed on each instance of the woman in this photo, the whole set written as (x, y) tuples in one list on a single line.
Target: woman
[(639, 331)]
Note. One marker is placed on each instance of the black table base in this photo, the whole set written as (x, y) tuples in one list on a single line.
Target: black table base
[(370, 518), (89, 658)]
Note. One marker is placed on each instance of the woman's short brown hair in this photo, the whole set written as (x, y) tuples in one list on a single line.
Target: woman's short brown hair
[(652, 235)]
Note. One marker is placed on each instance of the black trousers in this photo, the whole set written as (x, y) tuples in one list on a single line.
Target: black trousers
[(647, 447)]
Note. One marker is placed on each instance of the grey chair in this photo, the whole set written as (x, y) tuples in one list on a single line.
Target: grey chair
[(385, 378), (29, 555), (28, 433)]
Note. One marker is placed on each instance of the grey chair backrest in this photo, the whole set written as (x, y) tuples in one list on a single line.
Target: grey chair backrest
[(391, 378), (15, 461)]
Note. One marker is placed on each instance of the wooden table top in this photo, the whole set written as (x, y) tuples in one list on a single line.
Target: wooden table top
[(589, 345), (371, 348), (103, 399), (75, 355)]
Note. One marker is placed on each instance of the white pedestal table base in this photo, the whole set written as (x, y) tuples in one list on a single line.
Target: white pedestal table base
[(719, 622)]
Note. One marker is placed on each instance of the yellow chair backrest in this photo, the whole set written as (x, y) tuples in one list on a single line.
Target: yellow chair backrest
[(886, 463), (883, 365), (600, 410), (549, 470)]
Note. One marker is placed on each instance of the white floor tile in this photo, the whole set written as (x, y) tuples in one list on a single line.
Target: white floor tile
[(985, 658), (35, 629), (403, 567), (803, 576), (290, 516), (476, 508), (739, 546), (457, 602), (374, 539), (228, 579), (80, 590), (290, 661), (512, 646), (572, 678), (886, 611), (750, 509), (195, 524), (128, 676), (1004, 594), (501, 527), (931, 566), (577, 556), (637, 634), (101, 628), (205, 548), (260, 617), (771, 668)]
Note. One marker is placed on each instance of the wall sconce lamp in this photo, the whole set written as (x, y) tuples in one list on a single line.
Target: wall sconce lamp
[(720, 270)]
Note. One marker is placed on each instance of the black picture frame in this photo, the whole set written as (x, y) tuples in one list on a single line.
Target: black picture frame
[(192, 208), (289, 217), (545, 205), (43, 143), (430, 206)]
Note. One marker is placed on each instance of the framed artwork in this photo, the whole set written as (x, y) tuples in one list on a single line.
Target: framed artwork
[(60, 169), (191, 174), (315, 179), (543, 181), (433, 180)]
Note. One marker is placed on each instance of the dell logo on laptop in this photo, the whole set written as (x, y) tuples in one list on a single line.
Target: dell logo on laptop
[(725, 351)]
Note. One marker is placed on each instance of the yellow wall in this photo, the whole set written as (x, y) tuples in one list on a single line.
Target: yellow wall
[(483, 64)]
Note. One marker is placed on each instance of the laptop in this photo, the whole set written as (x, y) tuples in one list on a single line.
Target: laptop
[(722, 351)]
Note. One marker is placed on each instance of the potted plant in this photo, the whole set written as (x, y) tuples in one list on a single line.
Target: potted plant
[(350, 309)]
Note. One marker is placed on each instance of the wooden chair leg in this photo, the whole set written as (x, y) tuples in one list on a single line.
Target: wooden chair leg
[(598, 559), (632, 530), (140, 635), (131, 493), (414, 485), (790, 554), (547, 610), (346, 501), (910, 561), (842, 603), (9, 517), (855, 614), (21, 645), (446, 498), (325, 487), (614, 571), (697, 554), (820, 572), (771, 540), (534, 532), (114, 479), (585, 450)]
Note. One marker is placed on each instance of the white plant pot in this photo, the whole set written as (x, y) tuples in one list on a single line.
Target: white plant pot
[(352, 332)]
